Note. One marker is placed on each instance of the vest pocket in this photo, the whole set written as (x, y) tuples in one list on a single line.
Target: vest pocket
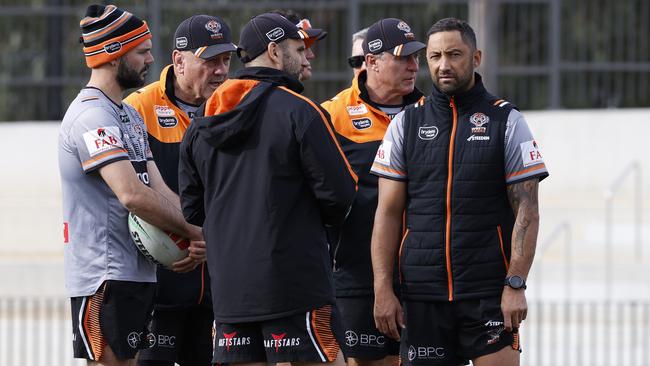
[(503, 252)]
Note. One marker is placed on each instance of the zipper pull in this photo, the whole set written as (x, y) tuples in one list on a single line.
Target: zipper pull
[(451, 102)]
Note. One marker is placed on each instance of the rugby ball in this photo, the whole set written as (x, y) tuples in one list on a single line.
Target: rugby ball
[(158, 246)]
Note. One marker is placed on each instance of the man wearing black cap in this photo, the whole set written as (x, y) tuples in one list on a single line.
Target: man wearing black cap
[(313, 33), (106, 171), (462, 168), (360, 115), (265, 173), (182, 322)]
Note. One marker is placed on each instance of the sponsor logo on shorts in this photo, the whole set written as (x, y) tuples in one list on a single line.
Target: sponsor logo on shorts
[(493, 323), (133, 339), (162, 340), (495, 328), (426, 353), (353, 339), (279, 341), (362, 123), (478, 138), (428, 132), (231, 340)]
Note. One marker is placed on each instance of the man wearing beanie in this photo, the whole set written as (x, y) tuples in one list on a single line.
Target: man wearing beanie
[(202, 47), (361, 114), (263, 170), (106, 171)]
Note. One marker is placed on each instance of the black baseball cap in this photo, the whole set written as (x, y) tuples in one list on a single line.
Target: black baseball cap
[(262, 30), (206, 35), (391, 35)]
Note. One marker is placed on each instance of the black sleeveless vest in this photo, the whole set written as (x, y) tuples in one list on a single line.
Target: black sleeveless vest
[(458, 216)]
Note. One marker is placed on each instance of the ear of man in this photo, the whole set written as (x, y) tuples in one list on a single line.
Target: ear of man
[(179, 62), (371, 62), (476, 58), (274, 53)]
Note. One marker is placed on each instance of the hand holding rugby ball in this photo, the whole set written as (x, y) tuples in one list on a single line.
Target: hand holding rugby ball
[(158, 246)]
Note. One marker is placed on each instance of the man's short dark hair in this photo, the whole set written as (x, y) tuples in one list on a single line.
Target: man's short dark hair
[(454, 24)]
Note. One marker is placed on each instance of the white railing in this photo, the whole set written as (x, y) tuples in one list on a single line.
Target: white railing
[(632, 169)]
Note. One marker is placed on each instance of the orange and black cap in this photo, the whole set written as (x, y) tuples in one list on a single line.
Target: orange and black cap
[(391, 35), (207, 36)]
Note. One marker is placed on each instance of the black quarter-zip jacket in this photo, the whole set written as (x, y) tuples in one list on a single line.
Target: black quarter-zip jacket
[(263, 172)]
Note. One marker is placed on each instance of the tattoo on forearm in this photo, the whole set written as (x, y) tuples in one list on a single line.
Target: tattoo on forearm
[(523, 200)]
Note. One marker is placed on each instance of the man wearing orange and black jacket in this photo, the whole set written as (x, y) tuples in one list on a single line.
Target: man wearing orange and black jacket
[(182, 322), (264, 171), (361, 115)]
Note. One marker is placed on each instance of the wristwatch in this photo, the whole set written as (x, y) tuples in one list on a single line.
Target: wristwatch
[(515, 282)]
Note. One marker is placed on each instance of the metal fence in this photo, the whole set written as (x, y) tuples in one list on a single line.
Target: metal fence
[(537, 53), (37, 332)]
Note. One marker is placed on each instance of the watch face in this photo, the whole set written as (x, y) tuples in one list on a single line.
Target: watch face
[(516, 282)]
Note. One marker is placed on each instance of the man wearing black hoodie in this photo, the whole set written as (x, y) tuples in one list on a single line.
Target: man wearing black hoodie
[(262, 167)]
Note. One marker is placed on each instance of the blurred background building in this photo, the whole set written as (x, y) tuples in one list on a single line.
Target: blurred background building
[(539, 53), (578, 69)]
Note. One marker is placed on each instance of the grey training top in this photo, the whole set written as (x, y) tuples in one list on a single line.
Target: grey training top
[(96, 132), (522, 156)]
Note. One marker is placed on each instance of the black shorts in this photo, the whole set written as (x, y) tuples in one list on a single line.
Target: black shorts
[(452, 333), (312, 336), (180, 334), (117, 315), (362, 339)]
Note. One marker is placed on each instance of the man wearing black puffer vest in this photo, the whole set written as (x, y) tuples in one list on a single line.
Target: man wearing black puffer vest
[(264, 169), (464, 166)]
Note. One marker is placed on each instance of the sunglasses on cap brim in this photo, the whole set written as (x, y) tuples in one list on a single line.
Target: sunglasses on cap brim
[(356, 62)]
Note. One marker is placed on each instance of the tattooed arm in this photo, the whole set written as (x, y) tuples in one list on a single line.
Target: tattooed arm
[(523, 200)]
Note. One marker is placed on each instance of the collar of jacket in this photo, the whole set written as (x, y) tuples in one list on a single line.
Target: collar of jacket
[(466, 98), (359, 84), (167, 83), (270, 75)]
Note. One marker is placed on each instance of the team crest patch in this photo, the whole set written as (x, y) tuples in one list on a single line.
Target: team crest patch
[(403, 27), (479, 120), (214, 27), (428, 132), (362, 123)]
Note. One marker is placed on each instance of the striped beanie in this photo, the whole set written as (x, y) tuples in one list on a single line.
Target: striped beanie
[(108, 32)]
